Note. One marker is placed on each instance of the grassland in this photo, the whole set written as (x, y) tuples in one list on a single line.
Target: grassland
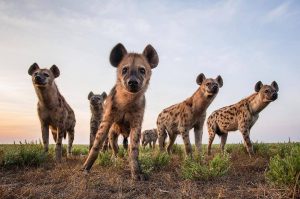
[(26, 172)]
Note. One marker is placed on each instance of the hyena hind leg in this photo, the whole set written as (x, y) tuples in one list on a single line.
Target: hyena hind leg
[(223, 141), (70, 142), (211, 138), (162, 135)]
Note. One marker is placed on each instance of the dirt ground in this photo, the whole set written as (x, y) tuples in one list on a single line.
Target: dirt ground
[(245, 180)]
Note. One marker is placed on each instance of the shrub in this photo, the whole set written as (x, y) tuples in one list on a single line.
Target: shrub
[(104, 159), (80, 150), (195, 170), (153, 161), (262, 149), (25, 155), (283, 171)]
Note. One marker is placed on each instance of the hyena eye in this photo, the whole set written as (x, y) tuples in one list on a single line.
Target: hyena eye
[(266, 91), (35, 73), (46, 74), (124, 70), (142, 71), (207, 84)]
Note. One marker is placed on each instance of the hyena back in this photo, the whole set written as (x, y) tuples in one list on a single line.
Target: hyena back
[(181, 118), (53, 110), (240, 116), (149, 137), (125, 104)]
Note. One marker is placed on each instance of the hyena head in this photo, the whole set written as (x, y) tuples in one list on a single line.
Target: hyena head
[(267, 93), (43, 77), (97, 100), (210, 87), (133, 70)]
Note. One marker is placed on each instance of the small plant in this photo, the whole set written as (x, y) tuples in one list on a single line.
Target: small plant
[(80, 150), (147, 163), (178, 150), (262, 149), (285, 171), (122, 152), (104, 159), (161, 160), (153, 161), (196, 170)]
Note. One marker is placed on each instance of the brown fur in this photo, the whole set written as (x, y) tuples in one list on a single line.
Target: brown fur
[(124, 107), (149, 137), (181, 118), (53, 110), (240, 116)]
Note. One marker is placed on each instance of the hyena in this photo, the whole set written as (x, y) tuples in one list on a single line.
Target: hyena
[(125, 104), (53, 110), (96, 106), (182, 117), (241, 116), (149, 137)]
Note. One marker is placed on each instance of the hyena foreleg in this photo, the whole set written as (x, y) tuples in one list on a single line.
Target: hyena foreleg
[(45, 136)]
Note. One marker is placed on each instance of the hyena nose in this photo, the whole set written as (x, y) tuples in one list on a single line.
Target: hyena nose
[(132, 83), (38, 78), (215, 88), (274, 96)]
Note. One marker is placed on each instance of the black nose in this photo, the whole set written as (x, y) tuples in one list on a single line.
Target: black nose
[(38, 78), (274, 96), (133, 83), (215, 88)]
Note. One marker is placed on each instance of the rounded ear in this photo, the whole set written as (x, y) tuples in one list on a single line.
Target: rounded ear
[(117, 54), (220, 81), (33, 68), (90, 95), (275, 86), (258, 86), (200, 79), (104, 95), (151, 56), (55, 71)]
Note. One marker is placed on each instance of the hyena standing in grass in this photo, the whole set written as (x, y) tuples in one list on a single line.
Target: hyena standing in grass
[(96, 106), (241, 116), (149, 137), (181, 118), (124, 107), (53, 110)]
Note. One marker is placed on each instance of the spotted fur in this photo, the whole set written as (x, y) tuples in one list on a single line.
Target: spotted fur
[(182, 117), (53, 110), (124, 107), (241, 116), (149, 137)]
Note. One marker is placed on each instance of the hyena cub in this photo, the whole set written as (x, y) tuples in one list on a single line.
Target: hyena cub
[(241, 116), (53, 110), (149, 137), (96, 106), (181, 118), (124, 107)]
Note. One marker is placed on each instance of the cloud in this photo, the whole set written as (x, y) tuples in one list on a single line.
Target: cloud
[(278, 13)]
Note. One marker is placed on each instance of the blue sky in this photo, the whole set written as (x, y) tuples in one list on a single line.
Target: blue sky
[(243, 41)]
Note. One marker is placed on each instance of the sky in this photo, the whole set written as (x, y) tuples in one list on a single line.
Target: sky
[(243, 41)]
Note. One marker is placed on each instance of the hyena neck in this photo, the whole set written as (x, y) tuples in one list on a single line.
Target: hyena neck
[(200, 101), (48, 96), (96, 110), (125, 99), (256, 105)]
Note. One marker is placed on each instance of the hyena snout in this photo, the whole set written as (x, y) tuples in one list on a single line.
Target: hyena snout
[(40, 79), (274, 96), (214, 88), (133, 84)]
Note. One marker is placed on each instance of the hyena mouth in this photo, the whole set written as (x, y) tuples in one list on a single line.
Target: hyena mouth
[(37, 83)]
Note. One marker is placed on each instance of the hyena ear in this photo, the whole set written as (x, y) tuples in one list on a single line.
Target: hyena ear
[(33, 68), (151, 56), (117, 54), (258, 86), (220, 81), (55, 71), (104, 95), (90, 95), (275, 86), (200, 79)]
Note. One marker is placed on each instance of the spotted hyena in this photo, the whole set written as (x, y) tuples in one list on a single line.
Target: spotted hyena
[(124, 107), (241, 116), (149, 137), (96, 106), (181, 118), (53, 110)]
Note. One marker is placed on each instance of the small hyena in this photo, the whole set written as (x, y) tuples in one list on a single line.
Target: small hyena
[(149, 137), (181, 118), (96, 106), (240, 116), (124, 107), (53, 110)]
